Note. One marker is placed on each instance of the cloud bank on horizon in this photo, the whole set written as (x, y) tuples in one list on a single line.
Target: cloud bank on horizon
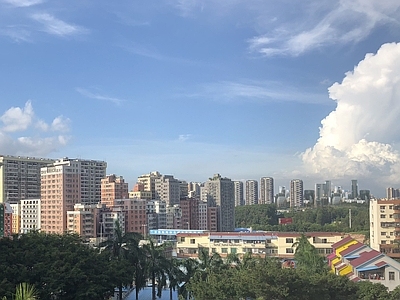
[(359, 138), (23, 133)]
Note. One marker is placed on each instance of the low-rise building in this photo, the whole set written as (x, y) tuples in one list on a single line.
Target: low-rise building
[(270, 244), (359, 262)]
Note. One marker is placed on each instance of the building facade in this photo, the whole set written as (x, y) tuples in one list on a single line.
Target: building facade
[(266, 190), (251, 192), (65, 183), (113, 187), (239, 193), (270, 244), (20, 177), (221, 194), (296, 193), (30, 215), (384, 220)]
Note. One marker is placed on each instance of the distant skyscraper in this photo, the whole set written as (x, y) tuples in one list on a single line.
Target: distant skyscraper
[(319, 194), (239, 193), (354, 189), (251, 192), (309, 196), (221, 194), (296, 193), (267, 190), (328, 190)]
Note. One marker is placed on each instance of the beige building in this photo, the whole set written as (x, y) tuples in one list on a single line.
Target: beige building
[(385, 226), (16, 217), (84, 220), (65, 183), (272, 244), (20, 177), (221, 194), (149, 182), (113, 187)]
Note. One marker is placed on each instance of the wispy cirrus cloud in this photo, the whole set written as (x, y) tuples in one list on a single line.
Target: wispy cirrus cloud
[(328, 23), (23, 3), (255, 91), (184, 137), (96, 96), (55, 26), (16, 33)]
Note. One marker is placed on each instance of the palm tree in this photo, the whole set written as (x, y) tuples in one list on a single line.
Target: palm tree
[(24, 291), (307, 257), (174, 275), (157, 263), (122, 249), (189, 267)]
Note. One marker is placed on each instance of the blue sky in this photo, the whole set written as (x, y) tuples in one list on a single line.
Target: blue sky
[(289, 89)]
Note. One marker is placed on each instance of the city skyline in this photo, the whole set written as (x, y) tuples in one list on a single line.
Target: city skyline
[(192, 88)]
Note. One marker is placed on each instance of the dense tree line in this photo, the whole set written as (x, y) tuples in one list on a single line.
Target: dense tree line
[(62, 267), (264, 279), (327, 218)]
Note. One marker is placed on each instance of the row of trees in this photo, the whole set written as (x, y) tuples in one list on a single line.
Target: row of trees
[(327, 218), (62, 267)]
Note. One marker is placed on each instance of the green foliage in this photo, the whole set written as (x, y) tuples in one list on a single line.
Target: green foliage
[(57, 265), (328, 218), (307, 257)]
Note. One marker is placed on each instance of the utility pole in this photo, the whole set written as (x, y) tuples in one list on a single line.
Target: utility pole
[(350, 217)]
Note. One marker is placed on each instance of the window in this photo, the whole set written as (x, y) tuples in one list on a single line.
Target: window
[(289, 250), (224, 250), (391, 275), (192, 241), (182, 239), (324, 241), (382, 207), (383, 242), (234, 250), (383, 216), (289, 241), (214, 250), (391, 207), (383, 233)]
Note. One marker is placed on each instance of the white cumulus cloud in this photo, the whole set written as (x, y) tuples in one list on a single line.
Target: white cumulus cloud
[(359, 137), (23, 133)]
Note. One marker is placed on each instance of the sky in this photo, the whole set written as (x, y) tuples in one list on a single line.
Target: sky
[(244, 88)]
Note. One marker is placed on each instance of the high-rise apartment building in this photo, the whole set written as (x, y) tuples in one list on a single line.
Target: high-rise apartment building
[(239, 193), (138, 192), (5, 220), (113, 187), (30, 215), (266, 190), (85, 220), (149, 182), (354, 189), (296, 193), (251, 192), (167, 189), (221, 194), (20, 177), (16, 217), (65, 183)]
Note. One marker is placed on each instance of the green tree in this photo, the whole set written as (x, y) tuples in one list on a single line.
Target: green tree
[(157, 263), (307, 257), (372, 291)]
